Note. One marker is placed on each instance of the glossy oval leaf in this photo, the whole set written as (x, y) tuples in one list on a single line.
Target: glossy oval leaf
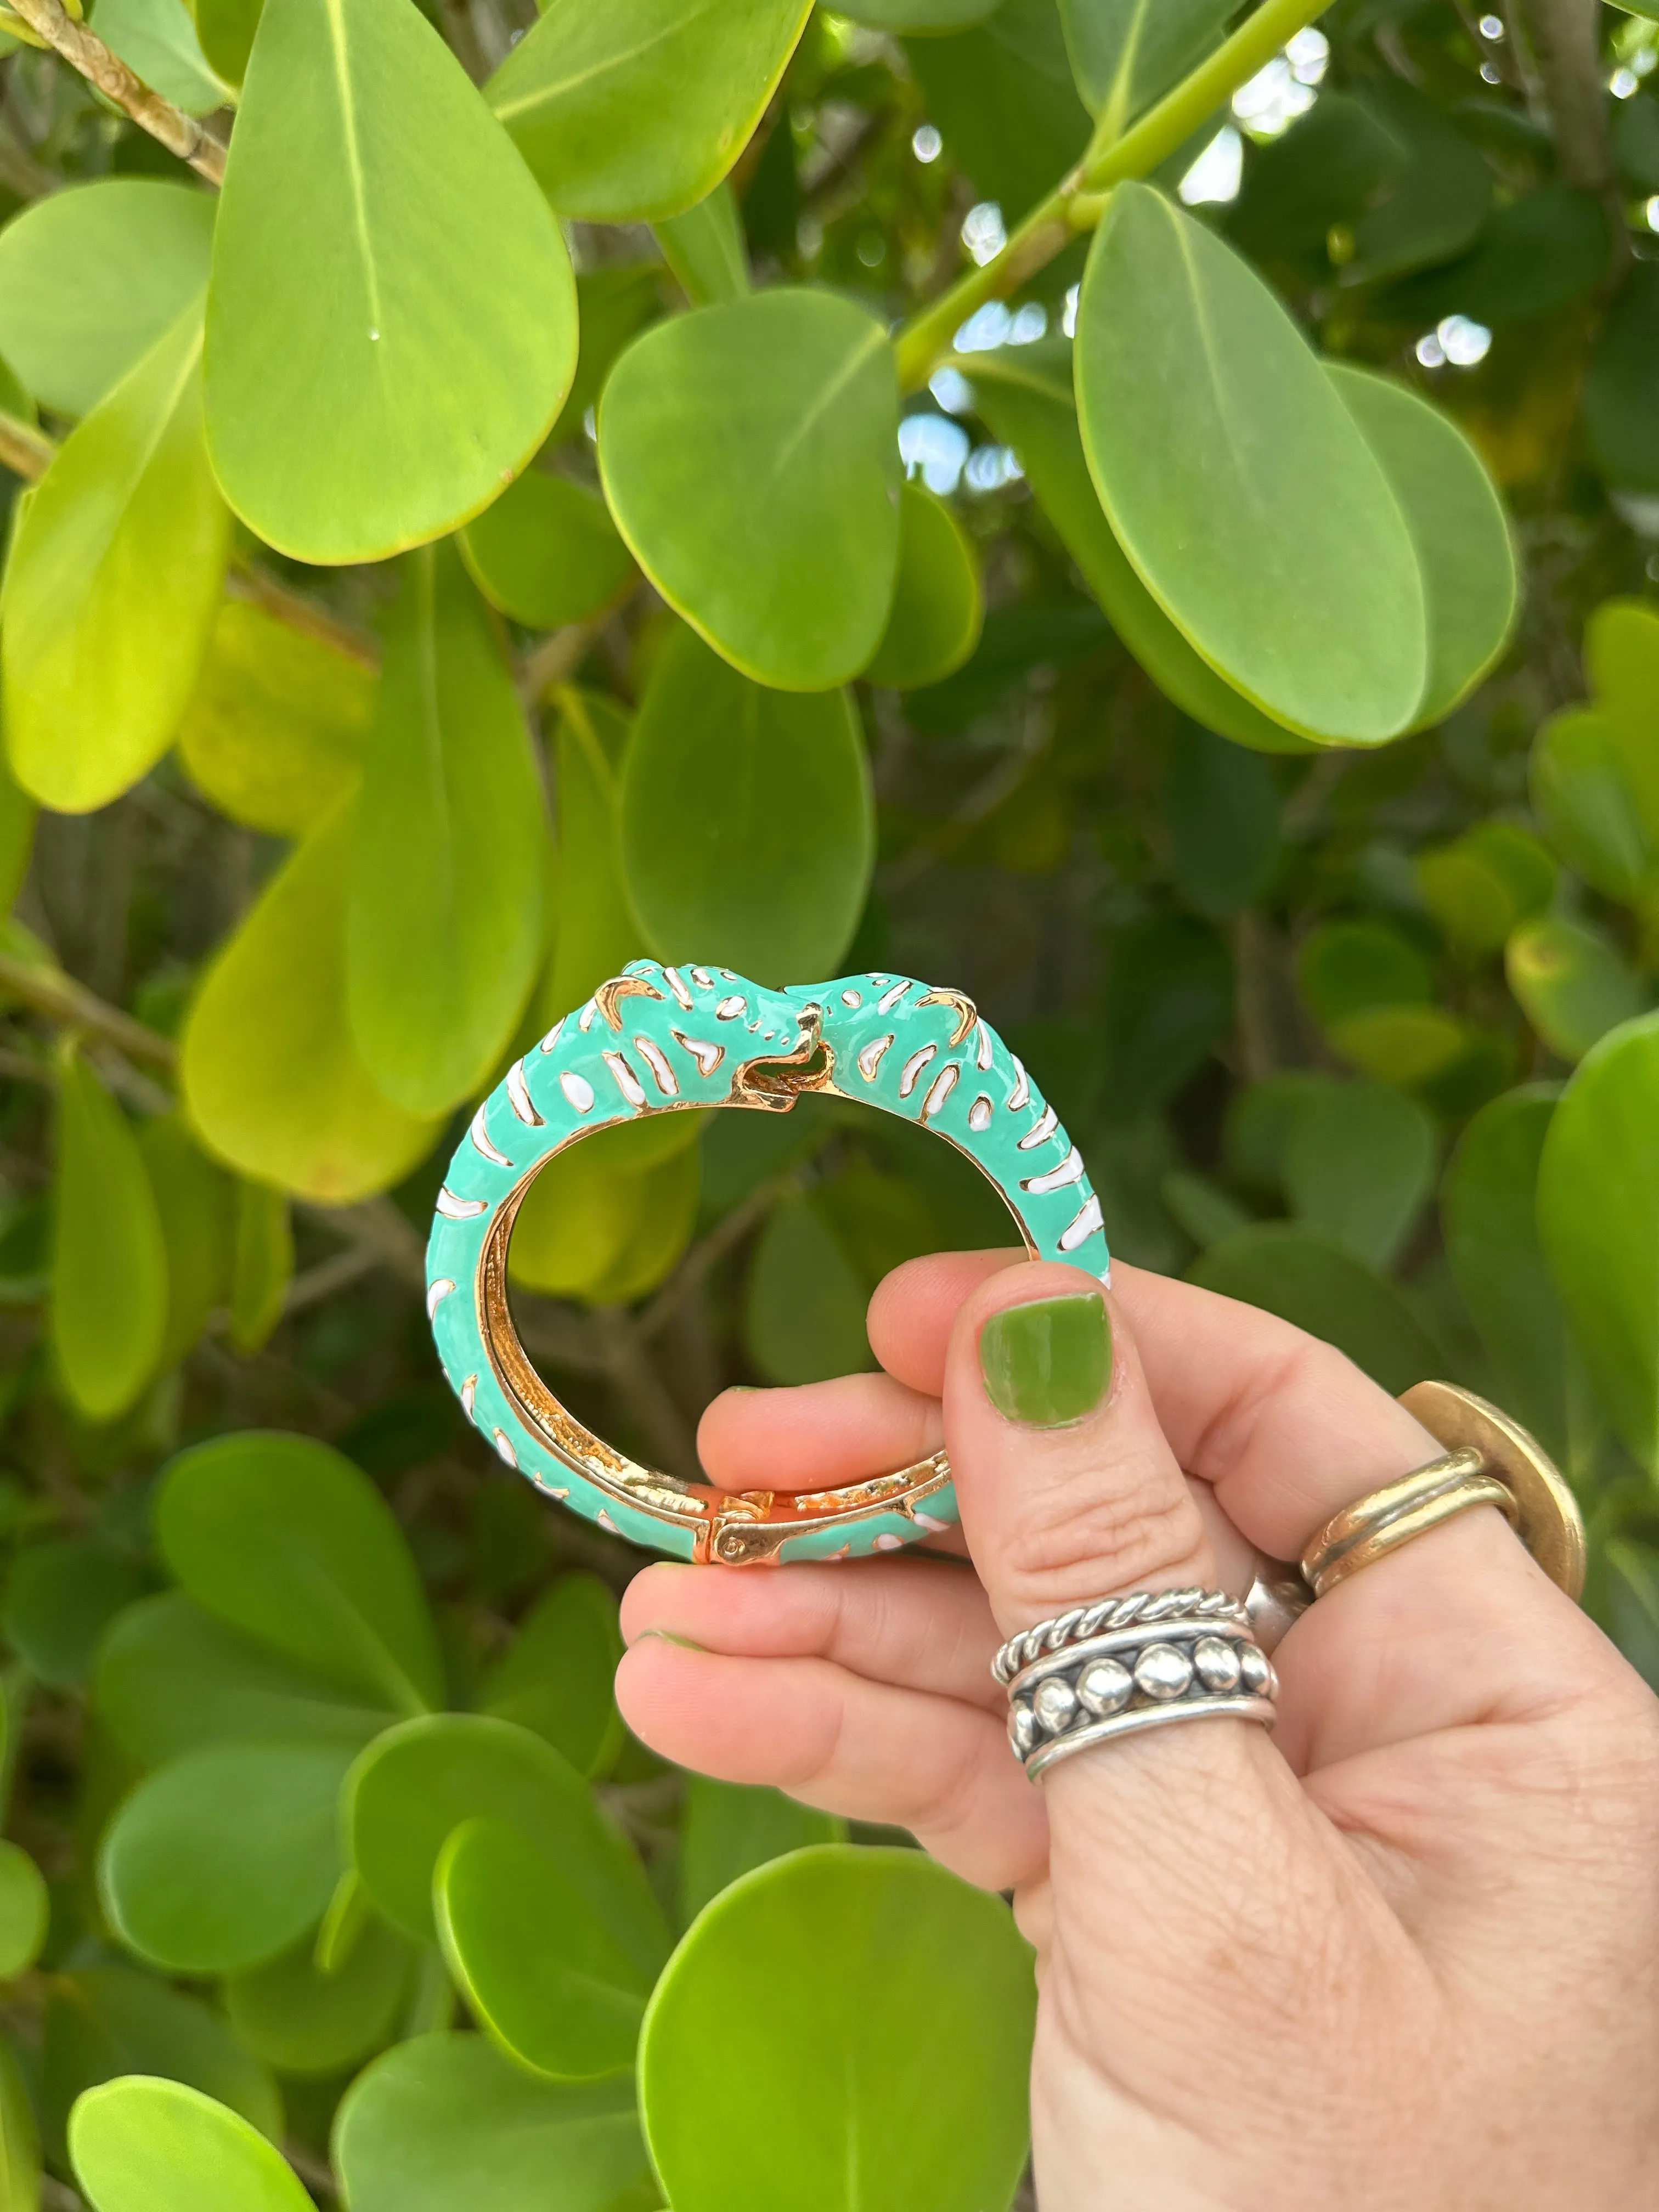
[(392, 319), (157, 39), (557, 1675), (1458, 529), (410, 1791), (61, 1596), (445, 2120), (660, 1233), (93, 277), (301, 2021), (594, 1214), (1573, 982), (226, 29), (939, 603), (599, 933), (1581, 792), (102, 2022), (730, 1828), (444, 915), (828, 1974), (226, 1857), (287, 1542), (194, 1201), (1029, 405), (546, 552), (274, 731), (170, 1678), (545, 1978), (112, 585), (1238, 483), (25, 1908), (142, 2145), (19, 2136), (1305, 1278), (1489, 1219), (716, 766), (261, 1263), (1358, 1162), (705, 249), (750, 457), (804, 1303), (272, 1078), (1598, 1217), (639, 108), (1125, 53), (109, 1269)]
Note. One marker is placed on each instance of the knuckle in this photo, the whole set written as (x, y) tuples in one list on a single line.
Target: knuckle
[(1104, 1529)]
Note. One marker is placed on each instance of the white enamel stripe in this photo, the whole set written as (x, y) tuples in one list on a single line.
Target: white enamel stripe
[(584, 1018), (454, 1208), (1021, 1094), (982, 1050), (707, 1054), (662, 1075), (870, 1058), (578, 1090), (1040, 1131), (504, 1446), (913, 1068), (480, 1137), (852, 998), (1082, 1228), (675, 983), (469, 1391), (731, 1008), (436, 1292), (518, 1096), (624, 1077), (1069, 1170), (889, 999), (944, 1084), (552, 1036), (979, 1114)]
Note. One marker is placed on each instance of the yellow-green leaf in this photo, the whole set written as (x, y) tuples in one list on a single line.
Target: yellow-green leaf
[(113, 585), (547, 552), (109, 1267), (262, 1263), (271, 1077), (193, 1203), (938, 602)]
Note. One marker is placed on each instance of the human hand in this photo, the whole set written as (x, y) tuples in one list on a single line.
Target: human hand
[(1403, 1952)]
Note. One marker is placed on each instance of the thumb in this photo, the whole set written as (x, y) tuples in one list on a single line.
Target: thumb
[(1183, 1850)]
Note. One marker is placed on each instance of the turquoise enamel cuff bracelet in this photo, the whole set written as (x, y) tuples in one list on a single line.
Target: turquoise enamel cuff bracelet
[(657, 1040)]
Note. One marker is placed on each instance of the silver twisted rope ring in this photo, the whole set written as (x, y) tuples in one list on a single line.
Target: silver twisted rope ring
[(1112, 1612)]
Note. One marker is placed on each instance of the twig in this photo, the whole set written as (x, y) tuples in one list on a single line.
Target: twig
[(83, 49), (693, 1271), (328, 1276), (552, 659), (1567, 38), (375, 1227), (60, 998), (27, 451), (248, 581), (22, 1069)]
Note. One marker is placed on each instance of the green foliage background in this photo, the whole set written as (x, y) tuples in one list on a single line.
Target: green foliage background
[(797, 490)]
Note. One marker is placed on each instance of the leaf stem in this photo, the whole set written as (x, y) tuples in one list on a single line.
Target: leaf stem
[(83, 49), (27, 451), (1077, 202)]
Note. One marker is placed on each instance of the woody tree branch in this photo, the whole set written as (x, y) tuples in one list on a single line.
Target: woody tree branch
[(83, 49), (1566, 41)]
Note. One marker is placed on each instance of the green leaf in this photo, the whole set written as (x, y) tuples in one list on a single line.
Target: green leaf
[(262, 1263), (595, 1217), (1126, 52), (60, 1597), (226, 29), (416, 1785), (1306, 1280), (271, 1077), (1349, 967), (557, 1675), (1457, 527), (287, 1541), (1221, 805), (1481, 886), (1028, 406), (1238, 483), (1621, 389), (193, 1204), (274, 731), (157, 38), (20, 2139), (444, 915), (939, 603), (1001, 97), (750, 457), (392, 322), (1168, 997), (805, 1303), (226, 1857), (141, 2145), (1408, 1045), (729, 1829), (171, 1680), (1622, 659), (1537, 254), (112, 585), (1598, 1217), (715, 762), (445, 2121), (1571, 982), (545, 1978), (829, 1975), (302, 2020), (546, 552), (919, 15), (599, 933), (17, 819), (1329, 166), (93, 277), (614, 301), (1359, 1160), (108, 2020), (24, 1911), (109, 1268), (705, 249), (1489, 1219), (1582, 793), (1441, 200), (638, 109)]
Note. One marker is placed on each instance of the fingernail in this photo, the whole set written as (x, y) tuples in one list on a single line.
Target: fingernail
[(667, 1636), (1050, 1362)]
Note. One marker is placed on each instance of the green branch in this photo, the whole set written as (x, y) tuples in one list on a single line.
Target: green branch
[(1078, 201)]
